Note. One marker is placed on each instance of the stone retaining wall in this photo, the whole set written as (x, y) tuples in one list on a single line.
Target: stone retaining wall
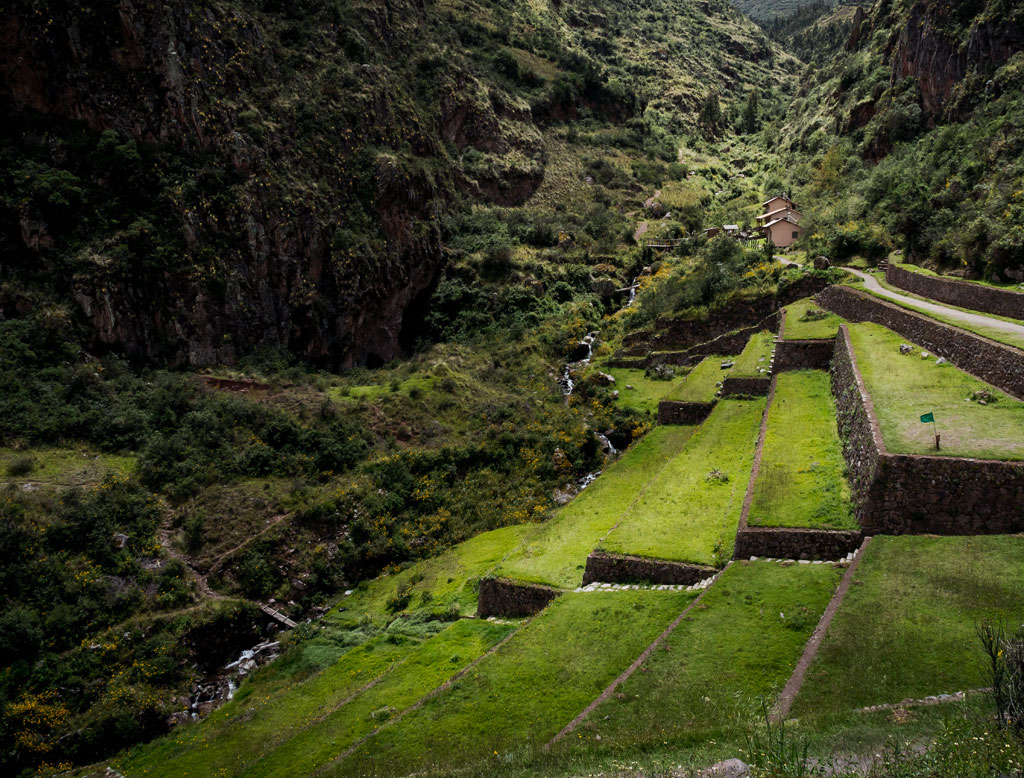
[(785, 543), (501, 597), (683, 413), (628, 363), (752, 387), (1000, 365), (730, 343), (616, 568), (745, 312), (861, 438), (964, 294), (803, 355), (912, 494)]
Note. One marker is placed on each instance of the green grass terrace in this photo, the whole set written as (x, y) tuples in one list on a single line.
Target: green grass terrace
[(802, 478), (646, 392), (756, 356), (556, 552), (806, 321), (735, 650), (906, 629), (701, 385), (905, 387), (520, 697), (275, 726), (690, 512)]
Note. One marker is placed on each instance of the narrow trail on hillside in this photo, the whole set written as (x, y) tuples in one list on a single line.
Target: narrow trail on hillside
[(220, 560), (164, 538), (968, 318)]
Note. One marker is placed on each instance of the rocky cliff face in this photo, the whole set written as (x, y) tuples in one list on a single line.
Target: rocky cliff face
[(191, 180), (940, 43), (267, 223)]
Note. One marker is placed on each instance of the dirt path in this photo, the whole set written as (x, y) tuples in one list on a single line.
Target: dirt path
[(608, 692), (641, 230), (977, 319), (274, 521), (796, 680)]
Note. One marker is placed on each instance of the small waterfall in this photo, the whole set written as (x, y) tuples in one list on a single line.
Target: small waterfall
[(606, 444), (583, 352), (587, 480), (632, 291)]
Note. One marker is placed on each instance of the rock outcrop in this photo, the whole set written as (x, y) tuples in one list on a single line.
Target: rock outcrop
[(266, 227), (940, 43)]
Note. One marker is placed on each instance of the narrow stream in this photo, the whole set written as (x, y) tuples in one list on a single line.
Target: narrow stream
[(584, 347), (632, 291)]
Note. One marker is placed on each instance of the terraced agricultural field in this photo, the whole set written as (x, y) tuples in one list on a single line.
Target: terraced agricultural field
[(437, 583), (735, 649), (802, 479), (906, 628), (297, 727), (556, 552), (755, 356), (799, 327), (646, 392), (701, 385), (521, 696), (690, 512), (904, 387)]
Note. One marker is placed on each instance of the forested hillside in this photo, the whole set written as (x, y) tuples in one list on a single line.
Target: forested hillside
[(773, 11), (211, 178), (910, 137)]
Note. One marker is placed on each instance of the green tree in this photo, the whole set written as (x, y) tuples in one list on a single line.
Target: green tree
[(751, 120), (710, 117)]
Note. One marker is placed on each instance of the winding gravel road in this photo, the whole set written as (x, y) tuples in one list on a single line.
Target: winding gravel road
[(968, 318)]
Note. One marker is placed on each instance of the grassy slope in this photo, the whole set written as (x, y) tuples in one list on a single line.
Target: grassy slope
[(428, 667), (268, 711), (436, 582), (646, 392), (684, 517), (802, 482), (556, 553), (808, 330), (738, 647), (906, 628), (905, 387), (520, 697), (756, 355), (701, 384), (62, 467)]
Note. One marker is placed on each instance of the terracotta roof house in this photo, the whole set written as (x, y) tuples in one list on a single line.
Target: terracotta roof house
[(783, 232)]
